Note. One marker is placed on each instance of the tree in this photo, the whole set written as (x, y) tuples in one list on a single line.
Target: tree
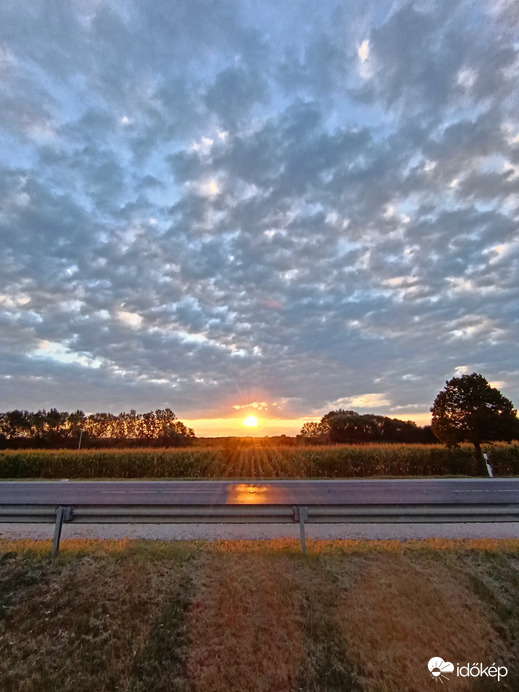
[(16, 424), (470, 410), (315, 432), (351, 427), (176, 435), (58, 428)]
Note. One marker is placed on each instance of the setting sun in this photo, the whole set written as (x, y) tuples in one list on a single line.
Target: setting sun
[(251, 421)]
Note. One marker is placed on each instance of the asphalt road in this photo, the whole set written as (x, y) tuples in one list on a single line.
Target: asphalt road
[(304, 492)]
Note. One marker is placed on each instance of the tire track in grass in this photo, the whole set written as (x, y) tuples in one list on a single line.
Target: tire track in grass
[(494, 578), (16, 574), (397, 616), (161, 664), (90, 622), (327, 663), (244, 624)]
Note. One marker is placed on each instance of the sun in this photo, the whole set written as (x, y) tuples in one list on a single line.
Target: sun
[(251, 422)]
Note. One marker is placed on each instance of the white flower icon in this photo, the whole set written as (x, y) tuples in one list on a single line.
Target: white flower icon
[(438, 667)]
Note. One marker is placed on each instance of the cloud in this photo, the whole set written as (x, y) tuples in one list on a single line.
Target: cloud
[(362, 401), (233, 93), (259, 405), (131, 319), (198, 200)]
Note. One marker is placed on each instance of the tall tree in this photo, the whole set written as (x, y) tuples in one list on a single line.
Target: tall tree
[(468, 409)]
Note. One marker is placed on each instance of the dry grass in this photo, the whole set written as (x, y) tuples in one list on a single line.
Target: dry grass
[(85, 622), (397, 616), (244, 625), (209, 617)]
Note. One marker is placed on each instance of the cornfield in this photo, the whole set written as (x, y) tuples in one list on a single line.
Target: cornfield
[(257, 459)]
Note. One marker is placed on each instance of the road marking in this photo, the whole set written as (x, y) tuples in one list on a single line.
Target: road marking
[(491, 490), (159, 492)]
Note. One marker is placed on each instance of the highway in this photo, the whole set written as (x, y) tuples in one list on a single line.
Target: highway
[(303, 492)]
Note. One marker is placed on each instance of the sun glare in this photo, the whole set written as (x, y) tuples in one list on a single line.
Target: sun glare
[(251, 421)]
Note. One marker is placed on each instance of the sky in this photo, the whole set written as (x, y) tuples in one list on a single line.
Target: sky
[(254, 207)]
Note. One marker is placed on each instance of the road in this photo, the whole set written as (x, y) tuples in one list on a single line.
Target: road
[(303, 492), (208, 493)]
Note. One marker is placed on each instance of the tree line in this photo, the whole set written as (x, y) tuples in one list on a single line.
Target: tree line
[(53, 428), (351, 427), (468, 409)]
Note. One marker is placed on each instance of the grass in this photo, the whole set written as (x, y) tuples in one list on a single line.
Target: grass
[(255, 459), (259, 616)]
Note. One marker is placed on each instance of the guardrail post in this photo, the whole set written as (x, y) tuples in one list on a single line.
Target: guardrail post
[(300, 514), (62, 514)]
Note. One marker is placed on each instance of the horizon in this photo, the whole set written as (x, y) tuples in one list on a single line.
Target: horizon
[(238, 209), (267, 426), (236, 426)]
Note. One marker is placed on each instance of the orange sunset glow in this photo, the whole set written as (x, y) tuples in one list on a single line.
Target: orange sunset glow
[(233, 426)]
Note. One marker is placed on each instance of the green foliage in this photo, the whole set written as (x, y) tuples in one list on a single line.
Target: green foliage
[(362, 461), (354, 428), (316, 432), (470, 410), (258, 462), (55, 428), (105, 464)]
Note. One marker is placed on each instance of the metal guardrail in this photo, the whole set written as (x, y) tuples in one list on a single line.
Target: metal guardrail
[(252, 513)]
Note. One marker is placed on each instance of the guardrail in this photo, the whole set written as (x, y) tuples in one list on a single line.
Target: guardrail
[(252, 513)]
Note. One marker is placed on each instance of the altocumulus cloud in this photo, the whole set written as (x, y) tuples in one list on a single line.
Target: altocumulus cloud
[(207, 204)]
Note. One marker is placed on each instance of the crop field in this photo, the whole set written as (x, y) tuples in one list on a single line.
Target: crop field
[(258, 459), (256, 616)]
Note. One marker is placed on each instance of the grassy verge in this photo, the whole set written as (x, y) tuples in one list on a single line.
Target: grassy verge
[(258, 460), (238, 616)]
